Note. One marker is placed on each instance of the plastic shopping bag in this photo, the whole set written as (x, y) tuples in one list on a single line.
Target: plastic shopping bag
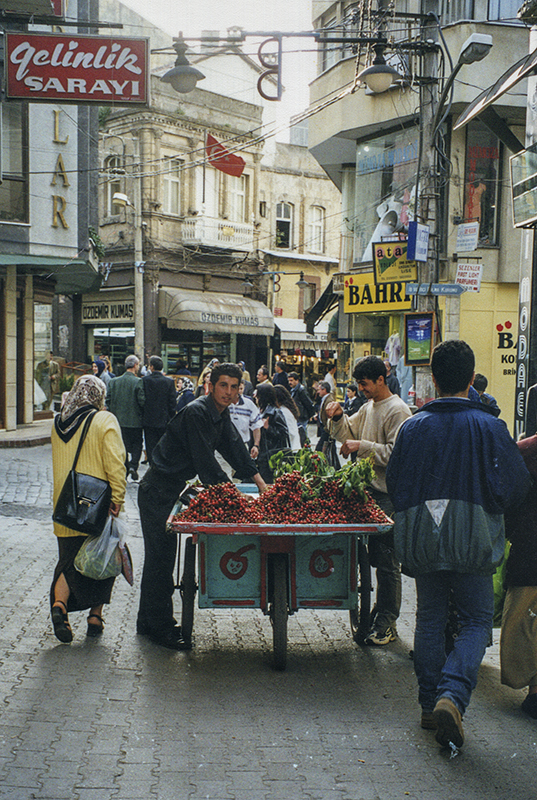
[(499, 588), (100, 557)]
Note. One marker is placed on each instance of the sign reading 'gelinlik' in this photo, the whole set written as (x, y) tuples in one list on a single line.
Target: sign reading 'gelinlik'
[(70, 68)]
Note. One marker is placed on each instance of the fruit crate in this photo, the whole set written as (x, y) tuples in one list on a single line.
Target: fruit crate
[(277, 568)]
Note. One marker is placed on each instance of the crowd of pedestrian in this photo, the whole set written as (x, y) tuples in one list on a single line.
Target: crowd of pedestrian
[(448, 476)]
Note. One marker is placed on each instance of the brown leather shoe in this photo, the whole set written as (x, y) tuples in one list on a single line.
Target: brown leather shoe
[(428, 721), (448, 722)]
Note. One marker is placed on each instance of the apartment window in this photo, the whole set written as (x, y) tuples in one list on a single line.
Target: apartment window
[(316, 230), (171, 186), (455, 10), (284, 225), (14, 165), (238, 198), (114, 183), (504, 10), (482, 181), (331, 53)]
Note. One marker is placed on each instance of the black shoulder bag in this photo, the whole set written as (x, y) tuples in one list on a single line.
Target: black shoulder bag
[(84, 501)]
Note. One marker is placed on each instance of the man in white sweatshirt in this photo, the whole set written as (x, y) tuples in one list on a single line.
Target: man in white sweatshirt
[(371, 432)]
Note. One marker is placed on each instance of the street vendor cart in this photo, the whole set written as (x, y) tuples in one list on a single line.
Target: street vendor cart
[(278, 568)]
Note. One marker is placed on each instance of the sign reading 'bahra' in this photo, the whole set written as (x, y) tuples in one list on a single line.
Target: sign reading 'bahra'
[(76, 69)]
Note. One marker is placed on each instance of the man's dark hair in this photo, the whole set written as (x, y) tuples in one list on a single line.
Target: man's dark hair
[(157, 363), (265, 395), (324, 385), (480, 382), (452, 366), (369, 368), (230, 370), (264, 370), (294, 375), (281, 365)]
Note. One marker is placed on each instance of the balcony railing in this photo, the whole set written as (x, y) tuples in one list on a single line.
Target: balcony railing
[(218, 233)]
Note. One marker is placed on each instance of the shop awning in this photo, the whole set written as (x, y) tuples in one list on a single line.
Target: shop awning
[(293, 333), (72, 276), (327, 301), (187, 309)]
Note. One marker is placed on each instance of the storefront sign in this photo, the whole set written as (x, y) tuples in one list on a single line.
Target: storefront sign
[(214, 318), (76, 69), (363, 296), (467, 236), (112, 311), (391, 263), (418, 241), (469, 276)]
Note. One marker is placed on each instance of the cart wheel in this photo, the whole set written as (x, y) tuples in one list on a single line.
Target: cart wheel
[(188, 589), (360, 616), (278, 611)]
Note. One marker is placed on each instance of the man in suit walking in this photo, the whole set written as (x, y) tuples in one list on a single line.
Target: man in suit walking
[(125, 398), (159, 407)]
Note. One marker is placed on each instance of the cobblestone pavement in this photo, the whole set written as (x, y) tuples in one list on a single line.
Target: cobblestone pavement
[(121, 718)]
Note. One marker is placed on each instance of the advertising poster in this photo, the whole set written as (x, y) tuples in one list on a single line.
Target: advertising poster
[(391, 264), (419, 338)]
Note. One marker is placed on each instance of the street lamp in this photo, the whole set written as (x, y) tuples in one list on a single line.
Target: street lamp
[(475, 48), (183, 76), (379, 76)]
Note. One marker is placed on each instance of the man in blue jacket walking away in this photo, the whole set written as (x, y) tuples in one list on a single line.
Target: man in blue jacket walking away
[(453, 471)]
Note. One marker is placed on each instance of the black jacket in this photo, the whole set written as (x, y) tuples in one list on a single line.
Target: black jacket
[(305, 406), (160, 399)]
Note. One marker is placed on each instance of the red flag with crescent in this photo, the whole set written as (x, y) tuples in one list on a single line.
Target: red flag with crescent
[(221, 158)]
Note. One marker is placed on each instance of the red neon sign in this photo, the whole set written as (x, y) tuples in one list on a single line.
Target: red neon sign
[(65, 68)]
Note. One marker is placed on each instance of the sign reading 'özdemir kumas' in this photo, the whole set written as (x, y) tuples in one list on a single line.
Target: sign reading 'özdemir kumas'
[(76, 68)]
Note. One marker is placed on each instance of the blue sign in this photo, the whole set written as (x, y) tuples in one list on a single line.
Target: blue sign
[(417, 288), (447, 288), (418, 241)]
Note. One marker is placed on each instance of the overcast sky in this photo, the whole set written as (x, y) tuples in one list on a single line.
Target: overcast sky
[(193, 16)]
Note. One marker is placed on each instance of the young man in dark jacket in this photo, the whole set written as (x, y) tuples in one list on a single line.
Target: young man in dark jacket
[(304, 403), (159, 407), (453, 471)]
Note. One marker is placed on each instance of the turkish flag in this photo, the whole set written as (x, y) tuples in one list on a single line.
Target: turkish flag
[(222, 159)]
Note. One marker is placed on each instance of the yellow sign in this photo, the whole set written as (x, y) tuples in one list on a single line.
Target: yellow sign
[(362, 295), (391, 263)]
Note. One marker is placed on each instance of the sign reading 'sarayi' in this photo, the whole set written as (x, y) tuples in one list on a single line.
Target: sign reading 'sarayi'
[(76, 69)]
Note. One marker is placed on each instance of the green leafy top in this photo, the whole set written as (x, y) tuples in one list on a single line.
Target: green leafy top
[(316, 471)]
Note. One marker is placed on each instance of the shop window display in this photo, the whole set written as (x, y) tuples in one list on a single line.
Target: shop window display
[(482, 181)]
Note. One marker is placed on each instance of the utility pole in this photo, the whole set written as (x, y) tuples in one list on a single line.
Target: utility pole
[(139, 343), (428, 184)]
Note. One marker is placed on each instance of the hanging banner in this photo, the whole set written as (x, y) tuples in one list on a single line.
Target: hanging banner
[(362, 295), (391, 263), (221, 158), (73, 68)]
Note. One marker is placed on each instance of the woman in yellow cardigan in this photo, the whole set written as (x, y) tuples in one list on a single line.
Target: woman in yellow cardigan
[(103, 456)]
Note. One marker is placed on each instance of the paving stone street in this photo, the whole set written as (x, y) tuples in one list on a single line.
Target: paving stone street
[(122, 718)]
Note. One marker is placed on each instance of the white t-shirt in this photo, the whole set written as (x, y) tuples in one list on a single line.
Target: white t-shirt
[(292, 427), (246, 417), (329, 378)]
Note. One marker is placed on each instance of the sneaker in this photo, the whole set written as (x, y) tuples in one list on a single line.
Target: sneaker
[(529, 706), (380, 637), (448, 723), (428, 721), (133, 474)]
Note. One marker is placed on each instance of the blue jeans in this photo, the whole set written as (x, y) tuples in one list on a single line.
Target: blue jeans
[(455, 675)]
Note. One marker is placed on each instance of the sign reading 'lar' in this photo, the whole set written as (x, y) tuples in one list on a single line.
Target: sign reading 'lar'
[(362, 295)]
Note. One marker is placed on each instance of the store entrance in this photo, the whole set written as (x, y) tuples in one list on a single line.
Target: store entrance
[(116, 343)]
